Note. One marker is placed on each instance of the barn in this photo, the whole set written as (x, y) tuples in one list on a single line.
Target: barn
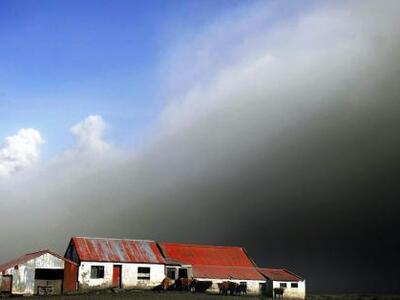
[(116, 263), (43, 273), (283, 283), (212, 265)]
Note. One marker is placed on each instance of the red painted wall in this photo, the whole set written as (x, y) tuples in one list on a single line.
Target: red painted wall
[(70, 277)]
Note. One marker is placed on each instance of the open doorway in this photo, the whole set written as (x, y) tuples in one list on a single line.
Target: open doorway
[(48, 281), (183, 273)]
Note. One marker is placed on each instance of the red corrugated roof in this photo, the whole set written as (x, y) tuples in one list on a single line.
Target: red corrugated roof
[(117, 250), (27, 257), (214, 262), (220, 272), (206, 255), (279, 274)]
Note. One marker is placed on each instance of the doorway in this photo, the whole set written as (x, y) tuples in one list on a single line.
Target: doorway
[(183, 273), (6, 284), (117, 276), (48, 281)]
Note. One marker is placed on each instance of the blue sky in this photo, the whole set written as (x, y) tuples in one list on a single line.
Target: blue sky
[(61, 61)]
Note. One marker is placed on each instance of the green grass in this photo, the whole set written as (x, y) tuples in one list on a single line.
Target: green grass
[(352, 297), (145, 295), (152, 295)]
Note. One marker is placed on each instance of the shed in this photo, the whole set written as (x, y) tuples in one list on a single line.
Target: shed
[(283, 283), (214, 264), (116, 263), (41, 272)]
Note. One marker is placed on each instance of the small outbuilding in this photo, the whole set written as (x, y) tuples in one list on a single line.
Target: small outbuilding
[(282, 283), (37, 273), (213, 265), (116, 263)]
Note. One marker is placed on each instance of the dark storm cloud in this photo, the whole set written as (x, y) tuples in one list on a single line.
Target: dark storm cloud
[(287, 143)]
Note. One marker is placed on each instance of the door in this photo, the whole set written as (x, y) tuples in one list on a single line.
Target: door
[(6, 284), (116, 276), (183, 273)]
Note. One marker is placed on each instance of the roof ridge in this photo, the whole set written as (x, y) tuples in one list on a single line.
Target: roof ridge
[(294, 274), (273, 272), (112, 239), (34, 252), (222, 266), (200, 245)]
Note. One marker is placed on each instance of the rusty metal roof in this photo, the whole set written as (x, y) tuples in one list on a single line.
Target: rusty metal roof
[(279, 274), (27, 257), (117, 250), (204, 255), (224, 272)]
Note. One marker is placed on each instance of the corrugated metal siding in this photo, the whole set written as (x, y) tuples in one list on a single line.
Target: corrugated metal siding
[(218, 272), (279, 274), (117, 250), (70, 277), (206, 255), (27, 257)]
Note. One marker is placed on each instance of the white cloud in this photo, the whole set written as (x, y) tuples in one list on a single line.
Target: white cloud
[(89, 134), (20, 151)]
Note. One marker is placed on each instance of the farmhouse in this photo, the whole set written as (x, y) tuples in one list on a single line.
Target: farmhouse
[(116, 263), (212, 265), (43, 272), (283, 283)]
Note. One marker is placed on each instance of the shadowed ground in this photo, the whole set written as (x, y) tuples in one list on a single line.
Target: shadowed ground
[(141, 295)]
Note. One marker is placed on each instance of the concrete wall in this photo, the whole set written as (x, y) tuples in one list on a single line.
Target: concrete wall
[(290, 292), (24, 275), (129, 274), (253, 286)]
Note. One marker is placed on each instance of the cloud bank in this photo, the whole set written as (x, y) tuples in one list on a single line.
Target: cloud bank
[(281, 137)]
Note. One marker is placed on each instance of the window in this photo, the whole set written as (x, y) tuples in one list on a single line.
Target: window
[(183, 273), (171, 273), (143, 273), (283, 284), (97, 272), (294, 285)]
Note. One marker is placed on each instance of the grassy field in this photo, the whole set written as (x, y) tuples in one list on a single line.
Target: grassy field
[(141, 295), (352, 297)]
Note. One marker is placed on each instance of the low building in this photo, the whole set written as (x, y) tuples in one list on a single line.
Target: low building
[(116, 263), (38, 273), (213, 265), (282, 283)]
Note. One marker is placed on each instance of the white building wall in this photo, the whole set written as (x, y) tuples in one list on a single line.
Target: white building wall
[(23, 277), (254, 287), (289, 292), (129, 274), (48, 261)]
